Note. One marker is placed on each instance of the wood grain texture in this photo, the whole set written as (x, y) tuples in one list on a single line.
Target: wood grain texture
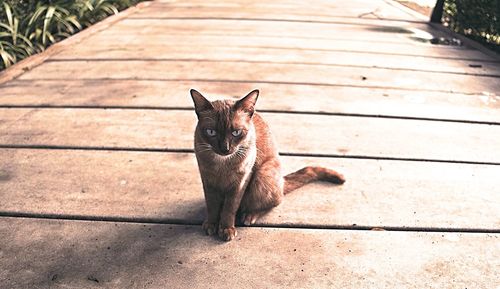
[(166, 187), (317, 134), (117, 255), (158, 31), (282, 97), (224, 52), (398, 46), (95, 136), (259, 71)]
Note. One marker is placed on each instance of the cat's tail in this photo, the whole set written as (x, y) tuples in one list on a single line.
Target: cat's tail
[(307, 175)]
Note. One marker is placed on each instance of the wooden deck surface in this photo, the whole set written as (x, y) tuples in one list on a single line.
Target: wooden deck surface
[(99, 187)]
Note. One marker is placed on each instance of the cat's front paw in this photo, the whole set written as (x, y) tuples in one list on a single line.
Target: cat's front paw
[(209, 228), (227, 234)]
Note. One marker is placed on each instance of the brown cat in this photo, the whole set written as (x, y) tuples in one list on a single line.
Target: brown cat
[(239, 164)]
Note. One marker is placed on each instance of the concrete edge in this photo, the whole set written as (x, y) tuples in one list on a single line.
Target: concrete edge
[(467, 41), (33, 61)]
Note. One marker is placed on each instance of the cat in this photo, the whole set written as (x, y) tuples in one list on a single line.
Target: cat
[(239, 164)]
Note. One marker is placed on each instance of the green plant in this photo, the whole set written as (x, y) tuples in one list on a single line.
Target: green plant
[(29, 26), (91, 11), (476, 19), (51, 22), (13, 44)]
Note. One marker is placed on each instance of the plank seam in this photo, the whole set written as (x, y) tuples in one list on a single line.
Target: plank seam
[(346, 51), (173, 221), (30, 80), (359, 17), (274, 36), (140, 18), (408, 45), (288, 154), (304, 112), (266, 62)]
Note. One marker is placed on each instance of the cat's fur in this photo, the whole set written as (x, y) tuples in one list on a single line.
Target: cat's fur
[(239, 164)]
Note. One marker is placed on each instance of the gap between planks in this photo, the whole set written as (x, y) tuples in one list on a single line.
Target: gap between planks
[(302, 37), (352, 51), (239, 81), (186, 150), (267, 62), (167, 221), (175, 108), (139, 18)]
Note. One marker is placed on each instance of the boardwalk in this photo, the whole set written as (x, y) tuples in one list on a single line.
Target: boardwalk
[(99, 187)]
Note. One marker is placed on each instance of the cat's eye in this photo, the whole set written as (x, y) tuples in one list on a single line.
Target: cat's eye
[(210, 132), (236, 132)]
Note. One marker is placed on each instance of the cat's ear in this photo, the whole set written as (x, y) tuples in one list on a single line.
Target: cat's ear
[(200, 102), (247, 103)]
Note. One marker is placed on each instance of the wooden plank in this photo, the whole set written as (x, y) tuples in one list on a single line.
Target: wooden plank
[(314, 12), (271, 55), (317, 134), (158, 31), (299, 98), (259, 27), (266, 72), (166, 187), (62, 254), (359, 9), (394, 47)]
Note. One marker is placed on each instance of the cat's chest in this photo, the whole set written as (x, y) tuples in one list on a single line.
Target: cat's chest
[(228, 172)]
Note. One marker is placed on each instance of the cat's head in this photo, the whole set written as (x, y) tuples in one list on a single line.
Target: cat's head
[(224, 125)]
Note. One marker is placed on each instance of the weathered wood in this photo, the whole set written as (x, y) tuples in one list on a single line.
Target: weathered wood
[(166, 187), (261, 71), (272, 55), (284, 97), (383, 48), (157, 31), (325, 134), (388, 33), (347, 9), (371, 13), (62, 254), (316, 134), (262, 27)]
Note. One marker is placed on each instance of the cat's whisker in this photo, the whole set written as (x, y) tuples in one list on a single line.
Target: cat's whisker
[(241, 153), (202, 145)]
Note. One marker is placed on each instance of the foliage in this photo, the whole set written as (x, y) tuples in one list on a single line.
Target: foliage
[(477, 19), (29, 26)]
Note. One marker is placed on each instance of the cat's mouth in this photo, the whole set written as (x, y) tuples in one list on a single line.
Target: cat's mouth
[(224, 150), (224, 154)]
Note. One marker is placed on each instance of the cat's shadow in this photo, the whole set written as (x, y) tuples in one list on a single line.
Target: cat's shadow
[(100, 253)]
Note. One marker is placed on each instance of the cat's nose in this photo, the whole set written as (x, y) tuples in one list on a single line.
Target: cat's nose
[(224, 148)]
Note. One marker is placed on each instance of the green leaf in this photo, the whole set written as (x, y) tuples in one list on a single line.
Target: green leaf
[(48, 18), (8, 13), (7, 58)]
